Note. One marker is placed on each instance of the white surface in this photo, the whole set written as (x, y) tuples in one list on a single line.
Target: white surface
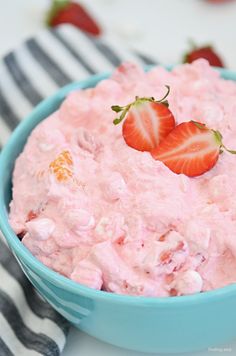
[(157, 27)]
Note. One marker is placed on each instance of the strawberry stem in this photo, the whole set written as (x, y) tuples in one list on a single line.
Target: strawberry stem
[(165, 96), (124, 109), (233, 152), (218, 137), (56, 7)]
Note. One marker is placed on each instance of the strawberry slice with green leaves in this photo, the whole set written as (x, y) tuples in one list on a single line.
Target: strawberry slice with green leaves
[(146, 122), (191, 149)]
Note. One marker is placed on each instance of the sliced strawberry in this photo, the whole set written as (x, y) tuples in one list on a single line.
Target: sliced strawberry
[(191, 149), (147, 125), (65, 11), (147, 122)]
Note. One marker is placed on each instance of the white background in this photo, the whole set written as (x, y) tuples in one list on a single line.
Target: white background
[(157, 27)]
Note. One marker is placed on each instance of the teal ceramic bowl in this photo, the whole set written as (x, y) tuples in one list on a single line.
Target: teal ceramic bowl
[(165, 325)]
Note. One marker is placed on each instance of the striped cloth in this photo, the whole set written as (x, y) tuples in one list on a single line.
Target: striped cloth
[(52, 59)]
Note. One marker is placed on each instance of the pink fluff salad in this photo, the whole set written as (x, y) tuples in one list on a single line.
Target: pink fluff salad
[(109, 217)]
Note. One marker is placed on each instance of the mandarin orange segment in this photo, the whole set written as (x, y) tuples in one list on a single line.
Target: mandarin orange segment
[(62, 166)]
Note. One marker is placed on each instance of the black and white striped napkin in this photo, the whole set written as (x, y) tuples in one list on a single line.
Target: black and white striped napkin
[(52, 59)]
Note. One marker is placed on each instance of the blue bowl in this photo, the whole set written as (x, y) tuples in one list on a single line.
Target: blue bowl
[(166, 325)]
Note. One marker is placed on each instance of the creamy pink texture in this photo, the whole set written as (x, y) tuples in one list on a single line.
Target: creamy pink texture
[(110, 217)]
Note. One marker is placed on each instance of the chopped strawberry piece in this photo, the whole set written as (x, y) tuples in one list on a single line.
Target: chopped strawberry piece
[(169, 278), (120, 240), (173, 292), (191, 149), (147, 122), (31, 215), (165, 256), (162, 238), (180, 246)]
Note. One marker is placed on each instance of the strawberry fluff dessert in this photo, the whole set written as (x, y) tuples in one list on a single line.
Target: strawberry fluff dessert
[(138, 199)]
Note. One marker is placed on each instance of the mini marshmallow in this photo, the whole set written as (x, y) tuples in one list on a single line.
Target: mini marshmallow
[(40, 228), (188, 282), (80, 219)]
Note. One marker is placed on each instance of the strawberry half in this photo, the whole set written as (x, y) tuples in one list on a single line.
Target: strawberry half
[(65, 11), (147, 122), (191, 149)]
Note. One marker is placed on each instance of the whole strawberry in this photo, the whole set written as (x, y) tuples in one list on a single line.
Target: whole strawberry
[(146, 122), (65, 11), (206, 52), (218, 1)]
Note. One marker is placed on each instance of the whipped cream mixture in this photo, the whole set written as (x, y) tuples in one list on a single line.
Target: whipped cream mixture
[(113, 218)]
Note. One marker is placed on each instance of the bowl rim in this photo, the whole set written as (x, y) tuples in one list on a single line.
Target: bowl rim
[(24, 255)]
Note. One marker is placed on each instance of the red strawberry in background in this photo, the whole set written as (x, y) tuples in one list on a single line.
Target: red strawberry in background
[(65, 11), (146, 122), (206, 52), (191, 149), (218, 1)]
